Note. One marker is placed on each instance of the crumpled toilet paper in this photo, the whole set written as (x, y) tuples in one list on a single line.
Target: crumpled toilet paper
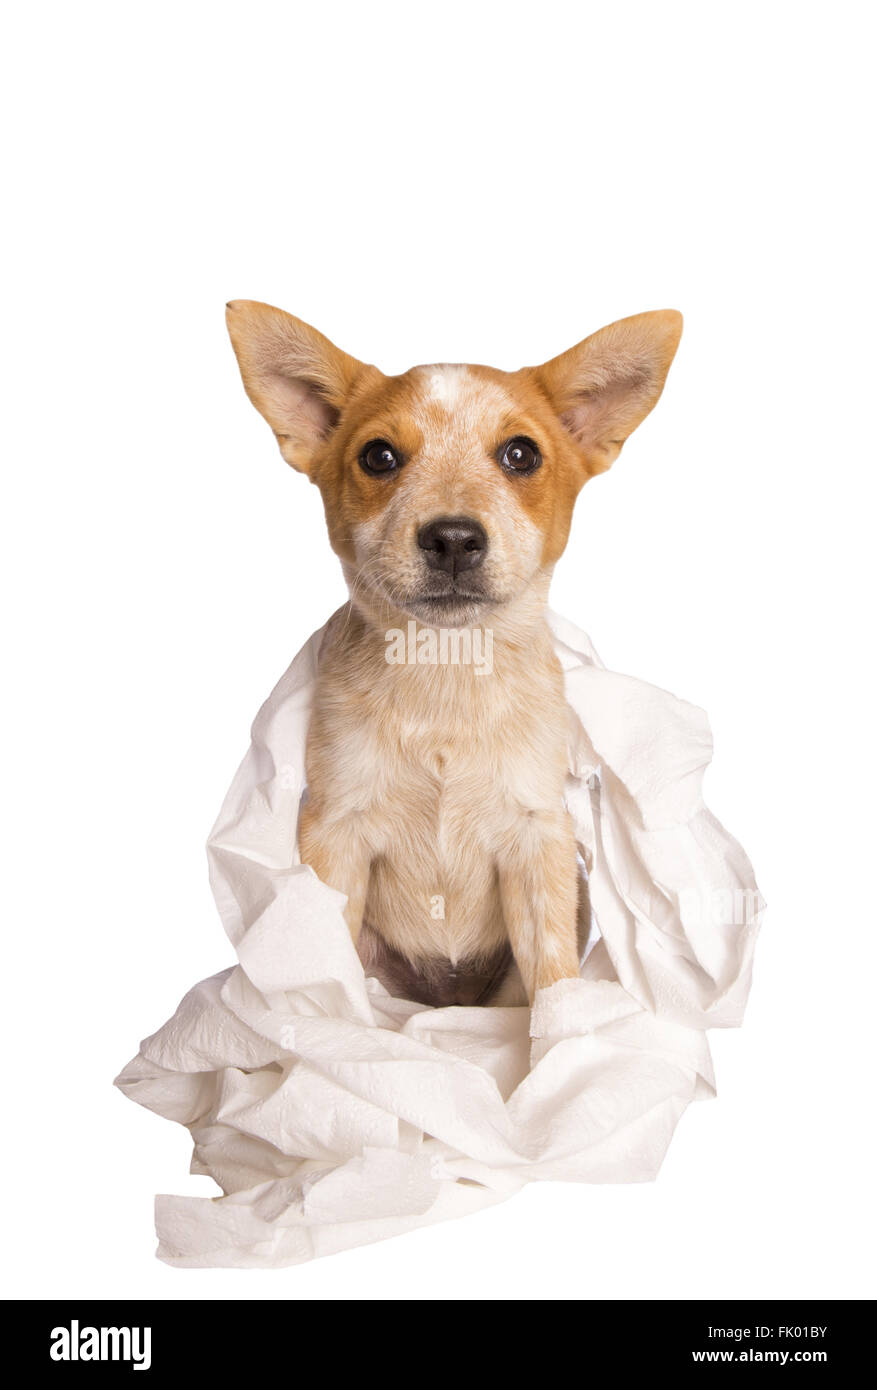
[(332, 1114)]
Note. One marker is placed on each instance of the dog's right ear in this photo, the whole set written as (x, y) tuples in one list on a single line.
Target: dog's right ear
[(293, 375)]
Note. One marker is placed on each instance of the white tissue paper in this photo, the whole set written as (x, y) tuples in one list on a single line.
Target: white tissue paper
[(331, 1114)]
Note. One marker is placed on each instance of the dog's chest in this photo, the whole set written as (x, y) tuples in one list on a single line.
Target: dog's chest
[(433, 889), (432, 785), (435, 798), (434, 772)]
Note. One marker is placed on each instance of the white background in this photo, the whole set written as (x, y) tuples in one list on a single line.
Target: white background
[(484, 182)]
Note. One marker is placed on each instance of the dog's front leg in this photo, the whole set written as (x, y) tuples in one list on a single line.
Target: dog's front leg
[(538, 884), (339, 856)]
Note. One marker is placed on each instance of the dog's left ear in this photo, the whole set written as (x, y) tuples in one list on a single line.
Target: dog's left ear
[(605, 386)]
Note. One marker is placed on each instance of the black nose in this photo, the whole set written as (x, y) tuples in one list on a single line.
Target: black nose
[(453, 543)]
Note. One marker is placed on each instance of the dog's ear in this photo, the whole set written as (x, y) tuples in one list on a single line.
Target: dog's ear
[(293, 375), (605, 386)]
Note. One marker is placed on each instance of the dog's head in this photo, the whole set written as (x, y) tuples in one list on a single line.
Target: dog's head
[(449, 490)]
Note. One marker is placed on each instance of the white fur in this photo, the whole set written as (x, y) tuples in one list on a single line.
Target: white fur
[(446, 384)]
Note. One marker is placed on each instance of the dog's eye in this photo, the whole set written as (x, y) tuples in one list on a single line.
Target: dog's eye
[(520, 455), (379, 457)]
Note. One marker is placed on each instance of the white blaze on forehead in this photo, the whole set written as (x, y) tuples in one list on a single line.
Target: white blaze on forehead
[(470, 402), (445, 383)]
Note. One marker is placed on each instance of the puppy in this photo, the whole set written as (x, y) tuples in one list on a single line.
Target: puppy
[(435, 797)]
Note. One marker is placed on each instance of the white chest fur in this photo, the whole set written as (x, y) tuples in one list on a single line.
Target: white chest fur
[(424, 779)]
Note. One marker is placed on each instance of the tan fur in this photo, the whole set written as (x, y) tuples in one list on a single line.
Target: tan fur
[(436, 784)]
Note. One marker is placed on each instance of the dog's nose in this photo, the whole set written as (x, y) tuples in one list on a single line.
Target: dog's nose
[(453, 543)]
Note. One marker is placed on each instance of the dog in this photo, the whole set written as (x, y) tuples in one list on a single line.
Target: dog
[(435, 788)]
